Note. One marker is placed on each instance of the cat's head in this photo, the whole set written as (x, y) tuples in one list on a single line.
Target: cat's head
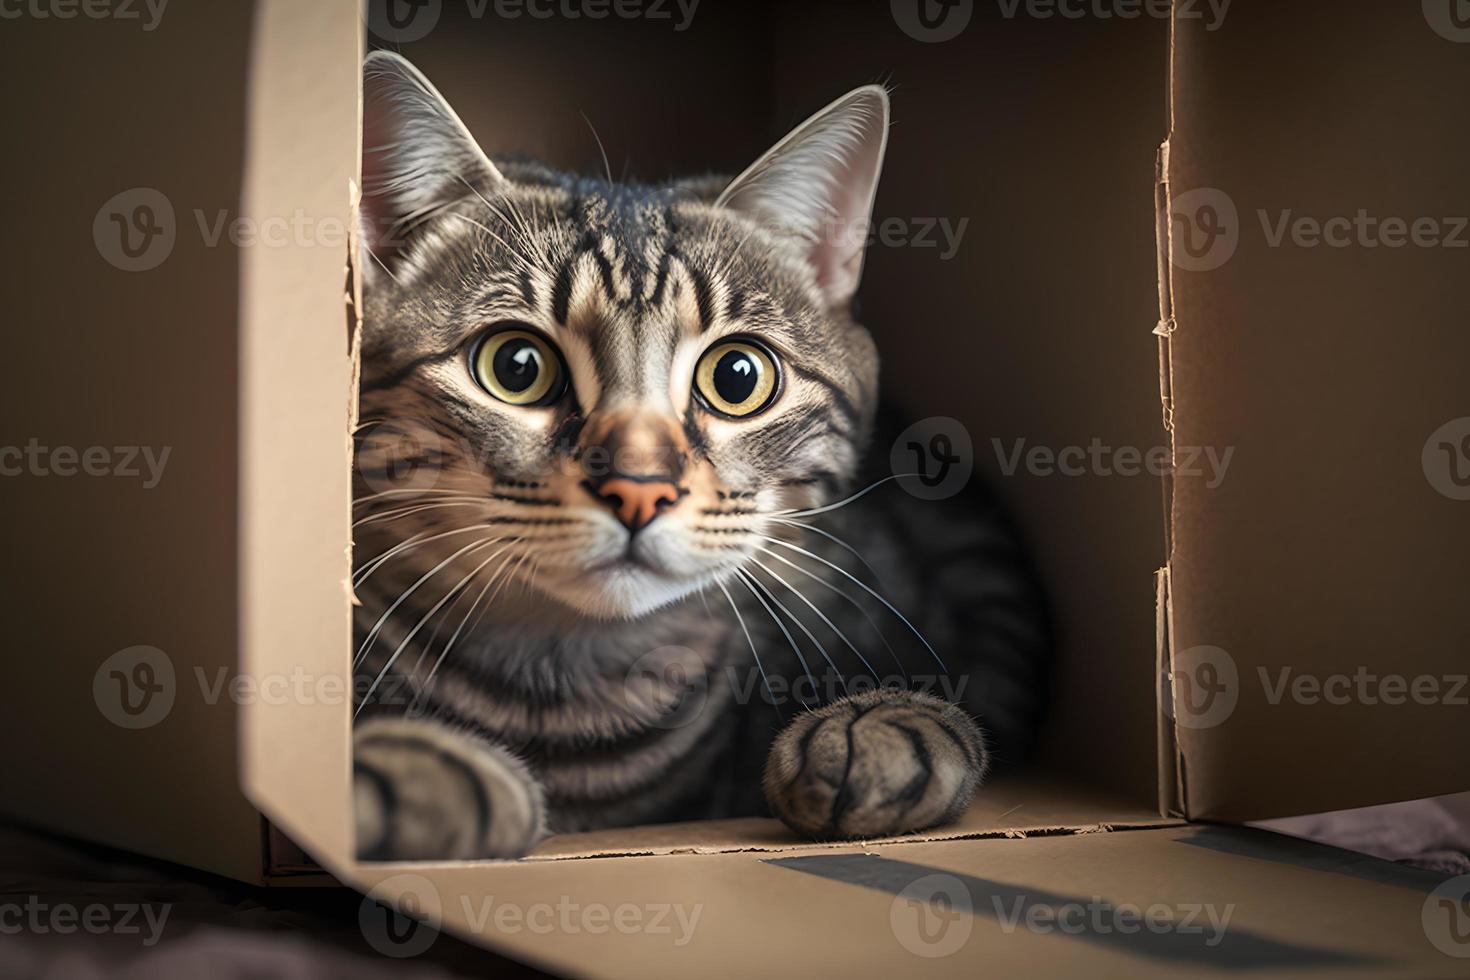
[(610, 393)]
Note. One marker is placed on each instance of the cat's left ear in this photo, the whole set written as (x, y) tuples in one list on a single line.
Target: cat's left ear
[(416, 154), (818, 183)]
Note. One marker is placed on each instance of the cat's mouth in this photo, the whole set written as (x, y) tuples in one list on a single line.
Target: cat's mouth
[(631, 577), (628, 561), (643, 557), (622, 588)]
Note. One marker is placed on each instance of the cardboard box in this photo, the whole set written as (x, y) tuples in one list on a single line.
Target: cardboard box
[(181, 650)]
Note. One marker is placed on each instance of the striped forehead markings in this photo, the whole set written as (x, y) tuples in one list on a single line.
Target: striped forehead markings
[(623, 246), (702, 296)]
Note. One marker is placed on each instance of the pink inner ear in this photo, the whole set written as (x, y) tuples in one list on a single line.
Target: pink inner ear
[(416, 151), (819, 182), (838, 259)]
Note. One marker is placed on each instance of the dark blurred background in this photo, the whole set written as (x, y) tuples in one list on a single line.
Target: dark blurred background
[(1033, 141)]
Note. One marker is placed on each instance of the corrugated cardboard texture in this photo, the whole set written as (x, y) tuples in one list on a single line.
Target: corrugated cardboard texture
[(1327, 551), (123, 361)]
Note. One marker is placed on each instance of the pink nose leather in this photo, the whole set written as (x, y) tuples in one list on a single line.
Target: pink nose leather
[(637, 502)]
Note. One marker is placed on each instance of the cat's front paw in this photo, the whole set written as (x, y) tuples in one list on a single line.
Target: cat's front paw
[(423, 791), (879, 763)]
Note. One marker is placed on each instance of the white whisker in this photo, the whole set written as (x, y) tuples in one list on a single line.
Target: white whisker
[(864, 586), (758, 665), (358, 502), (750, 584), (420, 508), (820, 615), (444, 653), (844, 502), (835, 540), (373, 564), (420, 625), (377, 628), (855, 604), (607, 167)]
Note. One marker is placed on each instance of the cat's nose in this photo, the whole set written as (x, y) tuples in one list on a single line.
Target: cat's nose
[(637, 502)]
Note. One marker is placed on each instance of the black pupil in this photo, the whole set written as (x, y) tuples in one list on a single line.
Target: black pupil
[(517, 364), (736, 376)]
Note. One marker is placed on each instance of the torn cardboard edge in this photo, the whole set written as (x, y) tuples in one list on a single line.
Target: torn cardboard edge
[(1012, 808), (1020, 832), (289, 865), (1172, 785), (352, 296), (1010, 833)]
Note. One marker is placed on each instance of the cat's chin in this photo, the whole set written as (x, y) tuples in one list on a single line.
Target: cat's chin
[(619, 591)]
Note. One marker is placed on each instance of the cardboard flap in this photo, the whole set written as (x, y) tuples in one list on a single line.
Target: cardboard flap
[(297, 386), (1318, 632), (123, 177)]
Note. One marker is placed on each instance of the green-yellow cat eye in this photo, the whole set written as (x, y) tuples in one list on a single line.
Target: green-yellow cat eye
[(737, 378), (519, 368)]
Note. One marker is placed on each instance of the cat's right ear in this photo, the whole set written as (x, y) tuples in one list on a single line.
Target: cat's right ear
[(417, 156)]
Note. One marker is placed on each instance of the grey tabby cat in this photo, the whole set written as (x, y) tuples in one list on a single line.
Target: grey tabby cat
[(601, 425)]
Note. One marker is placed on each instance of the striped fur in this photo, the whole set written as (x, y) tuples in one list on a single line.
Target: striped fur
[(527, 663)]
